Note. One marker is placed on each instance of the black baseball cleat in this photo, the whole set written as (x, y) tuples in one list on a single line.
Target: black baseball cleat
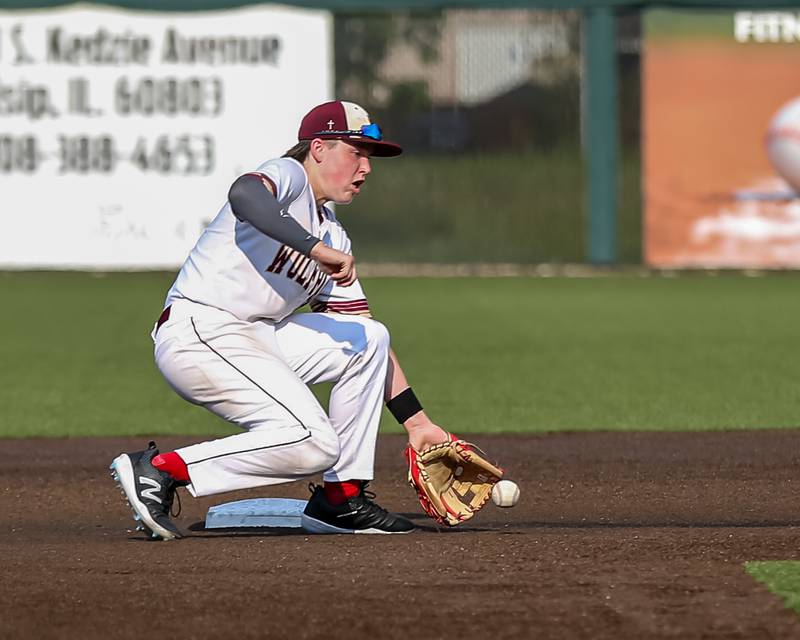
[(356, 515), (149, 491)]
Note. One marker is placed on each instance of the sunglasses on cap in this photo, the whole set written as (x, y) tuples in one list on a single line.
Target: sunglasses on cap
[(372, 131)]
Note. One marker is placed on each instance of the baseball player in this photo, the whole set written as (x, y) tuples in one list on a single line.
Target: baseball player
[(229, 339)]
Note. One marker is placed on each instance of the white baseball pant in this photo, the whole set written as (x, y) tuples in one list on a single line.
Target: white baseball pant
[(255, 374)]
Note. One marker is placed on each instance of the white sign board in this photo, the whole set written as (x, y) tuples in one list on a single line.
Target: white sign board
[(121, 131)]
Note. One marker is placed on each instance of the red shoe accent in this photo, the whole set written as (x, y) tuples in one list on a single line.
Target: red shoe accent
[(172, 464), (337, 493)]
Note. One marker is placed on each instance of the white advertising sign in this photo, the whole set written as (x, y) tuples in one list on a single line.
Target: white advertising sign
[(121, 131)]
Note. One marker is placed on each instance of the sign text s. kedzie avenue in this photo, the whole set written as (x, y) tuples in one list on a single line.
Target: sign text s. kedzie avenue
[(102, 47), (197, 96)]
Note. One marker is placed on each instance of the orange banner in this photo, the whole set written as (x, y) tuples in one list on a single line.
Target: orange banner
[(715, 183)]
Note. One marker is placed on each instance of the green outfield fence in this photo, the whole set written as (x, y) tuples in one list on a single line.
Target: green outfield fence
[(510, 161)]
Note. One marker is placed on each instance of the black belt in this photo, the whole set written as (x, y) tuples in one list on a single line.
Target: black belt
[(163, 317)]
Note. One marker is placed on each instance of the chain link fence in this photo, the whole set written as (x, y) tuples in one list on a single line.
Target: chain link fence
[(487, 105)]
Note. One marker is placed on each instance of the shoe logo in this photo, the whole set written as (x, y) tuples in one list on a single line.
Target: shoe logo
[(150, 493), (344, 515)]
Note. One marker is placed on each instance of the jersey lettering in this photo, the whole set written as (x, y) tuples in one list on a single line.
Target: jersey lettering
[(281, 258), (302, 269), (316, 282), (305, 274), (299, 265)]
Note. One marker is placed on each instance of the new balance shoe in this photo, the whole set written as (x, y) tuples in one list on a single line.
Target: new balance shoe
[(356, 515), (149, 491)]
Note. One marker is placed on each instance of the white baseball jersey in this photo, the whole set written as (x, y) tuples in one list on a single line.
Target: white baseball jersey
[(232, 345), (236, 268)]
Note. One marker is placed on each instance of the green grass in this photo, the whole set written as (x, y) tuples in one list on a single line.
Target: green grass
[(489, 207), (688, 24), (782, 577), (511, 355)]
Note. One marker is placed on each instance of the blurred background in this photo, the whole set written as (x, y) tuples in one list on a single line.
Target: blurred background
[(138, 145), (646, 158), (489, 105), (635, 136)]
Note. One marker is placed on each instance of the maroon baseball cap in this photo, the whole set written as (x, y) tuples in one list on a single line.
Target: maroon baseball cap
[(339, 120)]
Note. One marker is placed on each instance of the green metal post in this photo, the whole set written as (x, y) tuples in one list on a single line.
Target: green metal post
[(601, 140)]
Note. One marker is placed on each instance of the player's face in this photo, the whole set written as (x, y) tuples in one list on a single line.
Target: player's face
[(343, 171)]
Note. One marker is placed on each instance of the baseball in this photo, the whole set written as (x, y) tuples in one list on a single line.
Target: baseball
[(783, 143), (505, 493)]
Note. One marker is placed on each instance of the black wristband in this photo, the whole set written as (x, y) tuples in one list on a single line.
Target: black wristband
[(404, 405)]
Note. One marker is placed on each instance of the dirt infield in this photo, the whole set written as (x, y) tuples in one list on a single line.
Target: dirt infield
[(616, 536)]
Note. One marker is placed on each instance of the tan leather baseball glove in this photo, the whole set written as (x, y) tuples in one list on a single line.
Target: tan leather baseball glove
[(452, 479)]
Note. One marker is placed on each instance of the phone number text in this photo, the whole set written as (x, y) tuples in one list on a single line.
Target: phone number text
[(188, 154)]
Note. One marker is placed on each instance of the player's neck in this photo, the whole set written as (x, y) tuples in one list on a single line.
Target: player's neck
[(314, 182)]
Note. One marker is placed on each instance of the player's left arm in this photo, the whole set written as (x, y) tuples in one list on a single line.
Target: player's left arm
[(452, 478), (407, 410), (399, 397)]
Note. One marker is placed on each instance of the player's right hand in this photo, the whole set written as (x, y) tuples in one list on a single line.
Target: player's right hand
[(340, 266)]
